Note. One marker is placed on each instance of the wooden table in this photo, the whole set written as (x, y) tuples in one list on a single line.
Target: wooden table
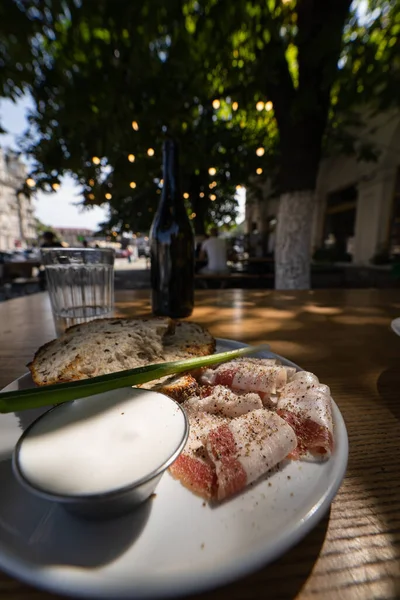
[(345, 338)]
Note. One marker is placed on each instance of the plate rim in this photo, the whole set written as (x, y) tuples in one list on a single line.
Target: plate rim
[(395, 325), (254, 559)]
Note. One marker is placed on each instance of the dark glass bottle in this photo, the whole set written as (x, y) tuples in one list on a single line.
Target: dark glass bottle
[(172, 245)]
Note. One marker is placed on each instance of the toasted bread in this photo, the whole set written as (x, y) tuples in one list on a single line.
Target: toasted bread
[(99, 347), (178, 387), (109, 345), (188, 339)]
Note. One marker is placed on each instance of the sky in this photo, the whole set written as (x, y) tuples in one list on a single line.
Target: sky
[(57, 209)]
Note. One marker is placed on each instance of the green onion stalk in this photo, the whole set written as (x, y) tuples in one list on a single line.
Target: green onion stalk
[(50, 395)]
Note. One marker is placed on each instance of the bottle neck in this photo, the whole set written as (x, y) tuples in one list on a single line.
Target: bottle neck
[(171, 195)]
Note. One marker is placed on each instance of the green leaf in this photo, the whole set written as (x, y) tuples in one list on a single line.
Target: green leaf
[(65, 392)]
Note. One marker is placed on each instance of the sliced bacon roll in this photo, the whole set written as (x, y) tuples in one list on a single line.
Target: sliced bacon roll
[(193, 467), (249, 375), (246, 448), (306, 405), (222, 401)]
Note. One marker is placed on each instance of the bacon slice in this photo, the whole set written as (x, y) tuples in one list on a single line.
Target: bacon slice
[(222, 401), (193, 467), (248, 447), (306, 405), (249, 376)]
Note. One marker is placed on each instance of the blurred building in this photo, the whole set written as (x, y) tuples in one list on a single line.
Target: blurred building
[(73, 236), (358, 203), (17, 223)]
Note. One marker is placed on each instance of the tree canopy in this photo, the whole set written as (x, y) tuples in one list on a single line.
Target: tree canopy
[(234, 82)]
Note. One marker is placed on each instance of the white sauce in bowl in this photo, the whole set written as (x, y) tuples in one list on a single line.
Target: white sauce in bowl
[(101, 443)]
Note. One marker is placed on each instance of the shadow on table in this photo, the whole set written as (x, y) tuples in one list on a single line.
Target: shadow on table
[(281, 580), (44, 534)]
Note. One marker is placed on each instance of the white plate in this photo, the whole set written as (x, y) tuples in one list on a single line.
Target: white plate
[(395, 324), (172, 545)]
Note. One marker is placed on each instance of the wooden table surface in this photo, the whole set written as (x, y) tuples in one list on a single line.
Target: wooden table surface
[(345, 338)]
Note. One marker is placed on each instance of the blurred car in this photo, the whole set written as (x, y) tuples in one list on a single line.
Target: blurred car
[(6, 256), (119, 253)]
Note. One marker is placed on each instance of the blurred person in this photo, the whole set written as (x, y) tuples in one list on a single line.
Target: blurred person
[(50, 240), (255, 242), (214, 250)]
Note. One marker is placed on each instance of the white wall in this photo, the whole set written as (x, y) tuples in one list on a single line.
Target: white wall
[(375, 182)]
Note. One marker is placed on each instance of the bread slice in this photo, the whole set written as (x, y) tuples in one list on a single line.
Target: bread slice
[(177, 387), (99, 347), (188, 339), (109, 345)]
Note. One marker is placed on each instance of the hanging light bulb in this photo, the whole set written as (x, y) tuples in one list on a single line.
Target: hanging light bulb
[(131, 157), (135, 126), (56, 186), (96, 160), (213, 197), (132, 185), (186, 195), (91, 196), (216, 103), (259, 171), (260, 106), (212, 171), (260, 151), (238, 188), (235, 105), (91, 181), (268, 105), (30, 182), (201, 194), (150, 152), (108, 196)]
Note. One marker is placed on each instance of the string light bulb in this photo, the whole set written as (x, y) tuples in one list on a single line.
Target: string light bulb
[(108, 196), (216, 103), (235, 105), (260, 106), (212, 171), (268, 105), (30, 182), (132, 185), (150, 152), (56, 186), (186, 195), (131, 157), (135, 126), (201, 194), (91, 181), (96, 160), (259, 171), (238, 188), (213, 197), (91, 196), (260, 151)]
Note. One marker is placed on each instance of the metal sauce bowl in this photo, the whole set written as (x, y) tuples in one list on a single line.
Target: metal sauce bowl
[(107, 504)]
